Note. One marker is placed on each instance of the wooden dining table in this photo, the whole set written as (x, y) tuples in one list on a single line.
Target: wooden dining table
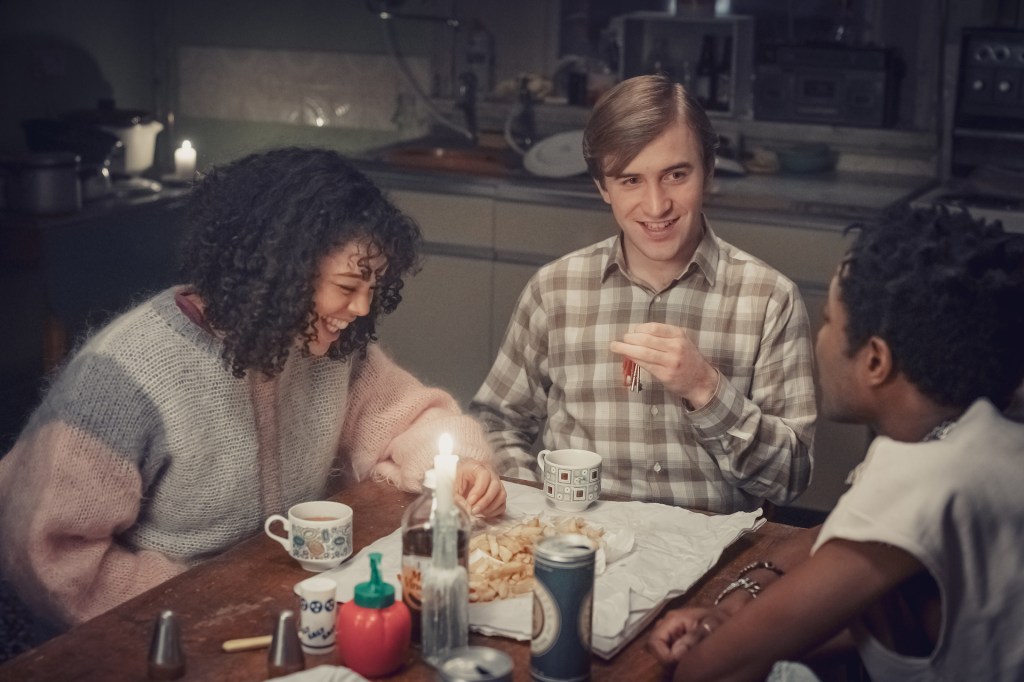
[(241, 592)]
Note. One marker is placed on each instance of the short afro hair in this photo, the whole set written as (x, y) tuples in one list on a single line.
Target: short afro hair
[(946, 292)]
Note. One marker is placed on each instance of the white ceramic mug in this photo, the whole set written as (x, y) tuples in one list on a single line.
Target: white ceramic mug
[(319, 533), (317, 614), (571, 478)]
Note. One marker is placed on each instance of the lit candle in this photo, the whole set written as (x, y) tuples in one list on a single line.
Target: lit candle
[(185, 161), (444, 469)]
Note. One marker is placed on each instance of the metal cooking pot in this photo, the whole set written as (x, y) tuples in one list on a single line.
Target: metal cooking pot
[(137, 130), (43, 183)]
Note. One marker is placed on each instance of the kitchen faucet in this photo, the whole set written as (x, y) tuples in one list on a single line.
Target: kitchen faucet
[(521, 124), (466, 101)]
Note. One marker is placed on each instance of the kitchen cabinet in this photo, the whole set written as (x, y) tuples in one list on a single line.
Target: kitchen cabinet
[(93, 264), (808, 253), (479, 252), (526, 236), (64, 275), (441, 331)]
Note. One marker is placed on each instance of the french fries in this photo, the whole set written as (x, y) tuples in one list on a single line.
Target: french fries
[(506, 567)]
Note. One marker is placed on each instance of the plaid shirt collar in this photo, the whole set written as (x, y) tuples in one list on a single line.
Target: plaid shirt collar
[(704, 260)]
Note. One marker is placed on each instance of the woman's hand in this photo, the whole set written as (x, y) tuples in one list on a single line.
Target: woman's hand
[(680, 630), (480, 486)]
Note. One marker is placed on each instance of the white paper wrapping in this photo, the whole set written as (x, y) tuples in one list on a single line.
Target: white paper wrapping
[(654, 553)]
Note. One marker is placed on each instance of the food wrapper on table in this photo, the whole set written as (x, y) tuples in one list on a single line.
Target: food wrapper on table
[(652, 553)]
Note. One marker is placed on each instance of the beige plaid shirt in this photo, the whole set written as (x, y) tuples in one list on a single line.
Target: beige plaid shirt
[(554, 371)]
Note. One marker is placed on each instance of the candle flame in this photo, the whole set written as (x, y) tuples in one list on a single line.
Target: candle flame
[(444, 444), (186, 145)]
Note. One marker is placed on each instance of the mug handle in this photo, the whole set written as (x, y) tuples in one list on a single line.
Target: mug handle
[(274, 536), (542, 461)]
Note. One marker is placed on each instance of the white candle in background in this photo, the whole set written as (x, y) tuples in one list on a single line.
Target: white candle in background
[(185, 161)]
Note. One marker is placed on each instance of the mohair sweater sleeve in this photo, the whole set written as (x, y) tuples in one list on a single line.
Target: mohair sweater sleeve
[(394, 422), (65, 498)]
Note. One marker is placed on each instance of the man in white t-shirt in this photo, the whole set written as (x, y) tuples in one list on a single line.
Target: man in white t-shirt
[(918, 565)]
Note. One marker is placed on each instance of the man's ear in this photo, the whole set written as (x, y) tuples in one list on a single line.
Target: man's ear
[(877, 365), (604, 192)]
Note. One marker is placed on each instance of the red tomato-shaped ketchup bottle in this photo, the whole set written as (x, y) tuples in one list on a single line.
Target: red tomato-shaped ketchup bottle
[(373, 629)]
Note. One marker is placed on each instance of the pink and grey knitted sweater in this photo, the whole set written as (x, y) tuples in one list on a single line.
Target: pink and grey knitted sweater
[(147, 456)]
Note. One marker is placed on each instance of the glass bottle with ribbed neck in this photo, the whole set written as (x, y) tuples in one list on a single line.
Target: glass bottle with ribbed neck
[(418, 547)]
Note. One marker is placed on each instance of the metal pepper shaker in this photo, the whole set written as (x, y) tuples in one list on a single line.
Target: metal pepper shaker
[(285, 656), (166, 656)]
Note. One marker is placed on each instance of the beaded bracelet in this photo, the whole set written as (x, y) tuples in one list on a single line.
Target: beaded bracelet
[(767, 565), (751, 586)]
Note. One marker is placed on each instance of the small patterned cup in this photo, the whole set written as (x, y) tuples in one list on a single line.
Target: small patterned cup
[(317, 614), (319, 534), (572, 478)]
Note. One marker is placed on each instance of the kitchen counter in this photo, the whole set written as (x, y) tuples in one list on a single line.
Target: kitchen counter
[(99, 209), (832, 199)]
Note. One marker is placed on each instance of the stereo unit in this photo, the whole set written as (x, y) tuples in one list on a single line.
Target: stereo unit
[(828, 84), (991, 88)]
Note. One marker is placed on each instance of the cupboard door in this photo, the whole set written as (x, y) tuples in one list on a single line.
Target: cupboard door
[(509, 281), (804, 254), (441, 330), (838, 448), (808, 255), (449, 218), (550, 231)]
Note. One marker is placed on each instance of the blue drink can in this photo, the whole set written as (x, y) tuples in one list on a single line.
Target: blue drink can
[(563, 604)]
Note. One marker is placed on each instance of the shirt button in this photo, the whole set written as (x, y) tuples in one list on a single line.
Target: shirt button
[(657, 299), (657, 467), (654, 411)]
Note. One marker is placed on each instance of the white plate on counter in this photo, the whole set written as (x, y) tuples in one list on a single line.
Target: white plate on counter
[(558, 156)]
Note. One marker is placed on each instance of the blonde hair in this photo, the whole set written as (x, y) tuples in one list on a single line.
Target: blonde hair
[(632, 114)]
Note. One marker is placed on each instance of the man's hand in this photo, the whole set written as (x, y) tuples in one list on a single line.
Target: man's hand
[(481, 487), (669, 355)]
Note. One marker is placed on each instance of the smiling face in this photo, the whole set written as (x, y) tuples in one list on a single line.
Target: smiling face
[(343, 292), (657, 200)]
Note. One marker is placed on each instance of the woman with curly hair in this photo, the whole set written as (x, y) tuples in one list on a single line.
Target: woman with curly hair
[(180, 426)]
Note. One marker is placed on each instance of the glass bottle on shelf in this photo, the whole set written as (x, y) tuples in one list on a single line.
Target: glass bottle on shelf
[(705, 78), (660, 61), (723, 89), (480, 58)]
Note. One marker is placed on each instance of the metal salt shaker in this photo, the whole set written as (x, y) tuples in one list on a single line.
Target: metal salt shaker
[(563, 600), (166, 655)]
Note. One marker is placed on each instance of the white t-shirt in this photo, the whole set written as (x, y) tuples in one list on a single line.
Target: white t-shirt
[(957, 505)]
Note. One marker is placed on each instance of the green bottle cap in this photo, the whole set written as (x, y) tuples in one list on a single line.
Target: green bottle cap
[(375, 594)]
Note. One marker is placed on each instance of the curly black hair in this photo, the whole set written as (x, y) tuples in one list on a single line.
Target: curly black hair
[(946, 292), (259, 227)]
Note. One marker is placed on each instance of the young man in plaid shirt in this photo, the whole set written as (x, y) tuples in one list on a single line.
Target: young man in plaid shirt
[(725, 417)]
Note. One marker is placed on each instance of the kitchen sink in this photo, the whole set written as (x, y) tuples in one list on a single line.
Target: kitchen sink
[(453, 159)]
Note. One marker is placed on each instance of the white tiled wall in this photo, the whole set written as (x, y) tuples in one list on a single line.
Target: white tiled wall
[(322, 89)]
